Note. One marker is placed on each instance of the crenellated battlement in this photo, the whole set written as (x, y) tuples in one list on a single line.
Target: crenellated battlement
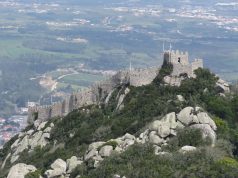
[(180, 62), (176, 57)]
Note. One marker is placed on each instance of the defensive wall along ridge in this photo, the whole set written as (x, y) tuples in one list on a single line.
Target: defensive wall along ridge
[(101, 90)]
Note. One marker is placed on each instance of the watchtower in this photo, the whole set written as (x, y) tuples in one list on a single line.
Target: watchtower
[(176, 57)]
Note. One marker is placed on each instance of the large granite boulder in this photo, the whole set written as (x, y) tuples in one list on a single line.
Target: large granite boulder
[(106, 151), (58, 169), (72, 163), (155, 139), (203, 118), (186, 115), (20, 170), (170, 119), (90, 154)]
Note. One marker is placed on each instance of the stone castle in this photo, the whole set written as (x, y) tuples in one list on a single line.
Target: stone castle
[(101, 91), (181, 66), (180, 62)]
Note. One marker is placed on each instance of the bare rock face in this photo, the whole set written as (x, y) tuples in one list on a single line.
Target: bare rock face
[(20, 170)]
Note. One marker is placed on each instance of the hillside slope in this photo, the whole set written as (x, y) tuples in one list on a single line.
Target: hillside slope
[(155, 130)]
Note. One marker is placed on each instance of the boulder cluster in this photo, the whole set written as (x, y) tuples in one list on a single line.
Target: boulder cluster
[(38, 136), (157, 133)]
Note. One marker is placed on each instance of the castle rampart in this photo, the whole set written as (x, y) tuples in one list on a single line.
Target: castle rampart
[(99, 91), (94, 95)]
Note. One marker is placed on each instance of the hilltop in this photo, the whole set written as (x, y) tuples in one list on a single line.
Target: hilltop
[(180, 123)]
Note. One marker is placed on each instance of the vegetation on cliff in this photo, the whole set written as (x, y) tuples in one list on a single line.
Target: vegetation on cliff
[(73, 133)]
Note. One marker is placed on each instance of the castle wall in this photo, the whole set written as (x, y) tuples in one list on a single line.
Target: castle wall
[(181, 69), (99, 91), (44, 112), (141, 77), (197, 63), (57, 109)]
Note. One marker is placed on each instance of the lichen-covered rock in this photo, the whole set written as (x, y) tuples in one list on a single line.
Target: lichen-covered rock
[(186, 149), (170, 119), (155, 125), (203, 118), (59, 164), (106, 151), (155, 139), (90, 154), (129, 136), (164, 130), (41, 126), (22, 145), (180, 98), (95, 145), (72, 163), (186, 115), (58, 169), (20, 170)]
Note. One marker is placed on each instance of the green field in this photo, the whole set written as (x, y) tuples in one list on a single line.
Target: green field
[(81, 80)]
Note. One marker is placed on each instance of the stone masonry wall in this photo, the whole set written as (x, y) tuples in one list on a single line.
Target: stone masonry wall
[(99, 91), (94, 95), (176, 57)]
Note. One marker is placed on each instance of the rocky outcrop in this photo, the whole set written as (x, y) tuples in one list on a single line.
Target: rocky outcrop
[(223, 86), (121, 98), (106, 151), (20, 170), (72, 163), (158, 133), (58, 168), (37, 136)]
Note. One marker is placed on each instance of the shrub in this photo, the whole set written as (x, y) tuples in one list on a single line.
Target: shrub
[(192, 137), (35, 174), (222, 127), (228, 162)]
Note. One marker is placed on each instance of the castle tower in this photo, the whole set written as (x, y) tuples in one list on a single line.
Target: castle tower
[(176, 57)]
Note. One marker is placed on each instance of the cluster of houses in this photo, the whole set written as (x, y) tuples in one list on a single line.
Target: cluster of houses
[(11, 126)]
